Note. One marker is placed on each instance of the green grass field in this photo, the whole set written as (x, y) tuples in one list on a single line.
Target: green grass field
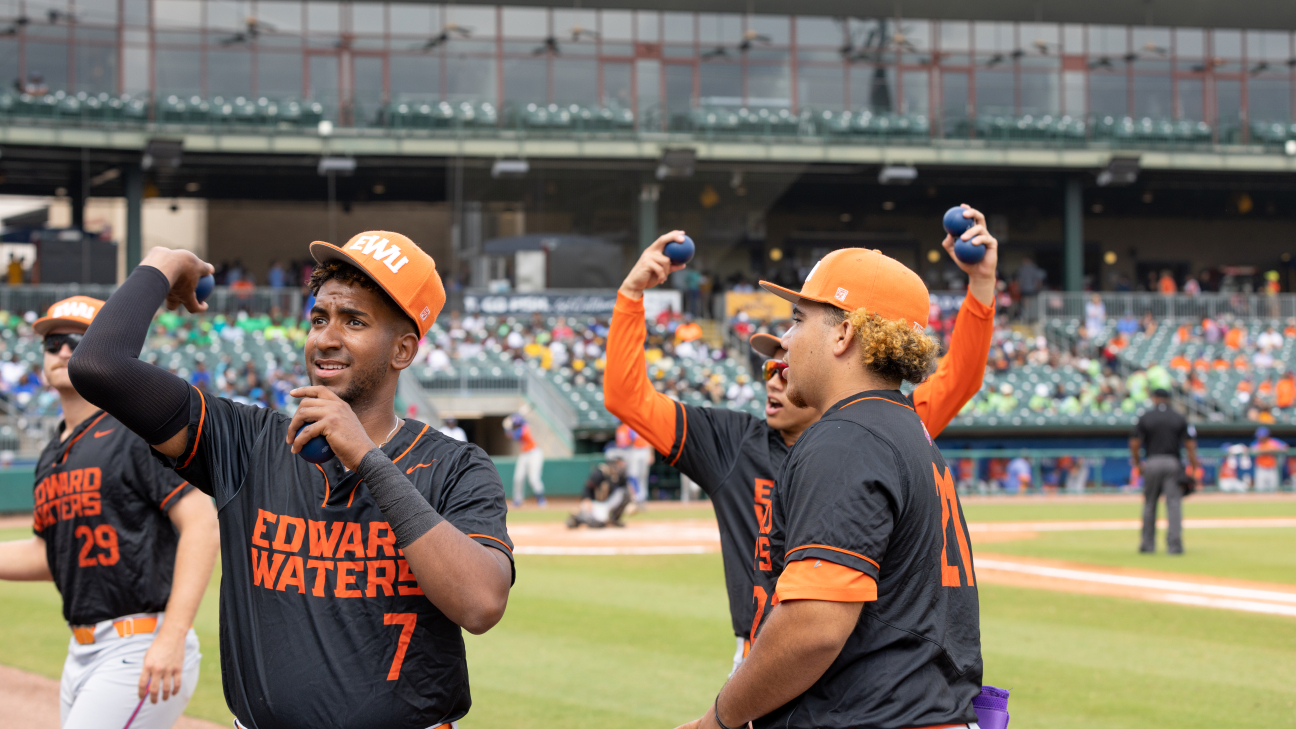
[(614, 642)]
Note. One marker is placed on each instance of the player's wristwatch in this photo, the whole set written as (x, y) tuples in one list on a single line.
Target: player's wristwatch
[(716, 711)]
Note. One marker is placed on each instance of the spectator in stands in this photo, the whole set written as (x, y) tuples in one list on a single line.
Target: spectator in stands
[(1166, 284), (1285, 390), (201, 378), (604, 498), (1162, 432), (1127, 325), (1095, 317), (452, 429), (1266, 450), (530, 460), (1192, 288), (1236, 338), (1269, 340), (15, 271), (1030, 279)]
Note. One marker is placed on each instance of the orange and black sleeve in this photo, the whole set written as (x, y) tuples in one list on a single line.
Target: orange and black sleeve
[(958, 377), (628, 394), (808, 579)]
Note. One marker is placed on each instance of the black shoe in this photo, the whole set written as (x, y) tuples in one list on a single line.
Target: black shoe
[(618, 523), (1144, 550), (572, 523), (1175, 552)]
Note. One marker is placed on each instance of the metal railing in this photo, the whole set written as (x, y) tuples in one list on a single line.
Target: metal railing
[(223, 300), (1071, 305)]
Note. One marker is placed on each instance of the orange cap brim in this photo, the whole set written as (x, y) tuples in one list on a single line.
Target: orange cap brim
[(45, 324), (324, 252), (795, 296), (766, 345)]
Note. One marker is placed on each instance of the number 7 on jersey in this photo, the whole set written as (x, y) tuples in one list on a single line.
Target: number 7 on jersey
[(407, 622)]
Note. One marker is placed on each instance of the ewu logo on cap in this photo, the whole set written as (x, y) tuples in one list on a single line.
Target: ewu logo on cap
[(72, 309), (380, 249)]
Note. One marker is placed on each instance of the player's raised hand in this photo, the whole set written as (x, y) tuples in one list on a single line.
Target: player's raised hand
[(183, 269), (652, 268), (322, 412), (978, 234)]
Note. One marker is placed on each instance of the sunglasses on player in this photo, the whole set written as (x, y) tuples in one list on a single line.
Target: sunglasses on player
[(54, 342), (774, 367)]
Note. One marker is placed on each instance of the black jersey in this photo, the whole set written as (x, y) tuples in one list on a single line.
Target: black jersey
[(734, 457), (867, 489), (322, 622), (101, 502)]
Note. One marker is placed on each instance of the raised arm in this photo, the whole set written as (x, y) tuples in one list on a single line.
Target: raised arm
[(627, 393), (106, 370), (960, 373)]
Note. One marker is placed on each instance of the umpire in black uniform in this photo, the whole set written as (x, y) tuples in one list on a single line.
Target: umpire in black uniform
[(1161, 432)]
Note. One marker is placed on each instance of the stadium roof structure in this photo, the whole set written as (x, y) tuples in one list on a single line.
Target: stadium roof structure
[(1253, 14)]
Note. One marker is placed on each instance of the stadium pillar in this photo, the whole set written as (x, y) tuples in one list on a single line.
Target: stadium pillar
[(134, 183), (648, 195), (1073, 234)]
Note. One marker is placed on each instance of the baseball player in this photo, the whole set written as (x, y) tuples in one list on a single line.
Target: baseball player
[(875, 619), (130, 546), (346, 583), (734, 456), (530, 460)]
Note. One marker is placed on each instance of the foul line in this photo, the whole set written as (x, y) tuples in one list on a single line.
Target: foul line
[(610, 551)]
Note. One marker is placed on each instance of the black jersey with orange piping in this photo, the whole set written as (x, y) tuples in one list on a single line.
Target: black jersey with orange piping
[(322, 621), (866, 511), (101, 502), (735, 457)]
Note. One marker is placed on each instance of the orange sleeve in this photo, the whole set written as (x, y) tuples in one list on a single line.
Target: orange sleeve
[(961, 370), (815, 579), (627, 393)]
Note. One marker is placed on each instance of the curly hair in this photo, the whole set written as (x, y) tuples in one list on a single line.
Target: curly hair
[(345, 273), (891, 347)]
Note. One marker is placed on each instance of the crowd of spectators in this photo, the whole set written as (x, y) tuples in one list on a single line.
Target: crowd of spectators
[(682, 361)]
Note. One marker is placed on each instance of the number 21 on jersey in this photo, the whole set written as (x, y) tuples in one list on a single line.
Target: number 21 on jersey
[(950, 513)]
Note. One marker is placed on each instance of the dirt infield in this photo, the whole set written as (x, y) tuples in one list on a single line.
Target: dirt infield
[(32, 702)]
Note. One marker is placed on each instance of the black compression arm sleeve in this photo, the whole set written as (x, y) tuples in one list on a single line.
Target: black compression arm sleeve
[(105, 368), (408, 513)]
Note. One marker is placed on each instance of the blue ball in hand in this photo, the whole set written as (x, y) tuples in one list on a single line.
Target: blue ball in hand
[(956, 225), (204, 287), (317, 449), (680, 252)]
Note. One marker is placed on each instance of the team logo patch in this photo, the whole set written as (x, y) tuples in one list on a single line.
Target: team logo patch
[(423, 315), (841, 294), (73, 309)]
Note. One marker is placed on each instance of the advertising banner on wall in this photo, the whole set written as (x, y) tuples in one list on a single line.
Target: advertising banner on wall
[(571, 302)]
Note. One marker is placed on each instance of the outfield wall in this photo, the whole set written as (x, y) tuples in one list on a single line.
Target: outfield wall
[(562, 477)]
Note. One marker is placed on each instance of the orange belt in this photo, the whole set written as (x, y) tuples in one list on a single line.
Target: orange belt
[(85, 634)]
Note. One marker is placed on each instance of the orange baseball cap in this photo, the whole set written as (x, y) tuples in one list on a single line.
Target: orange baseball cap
[(853, 278), (76, 311), (766, 344), (400, 267)]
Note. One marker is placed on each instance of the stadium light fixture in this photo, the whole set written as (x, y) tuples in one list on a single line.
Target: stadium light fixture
[(677, 163), (510, 168), (325, 128), (897, 174), (1290, 147), (1120, 172), (162, 152), (339, 165)]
